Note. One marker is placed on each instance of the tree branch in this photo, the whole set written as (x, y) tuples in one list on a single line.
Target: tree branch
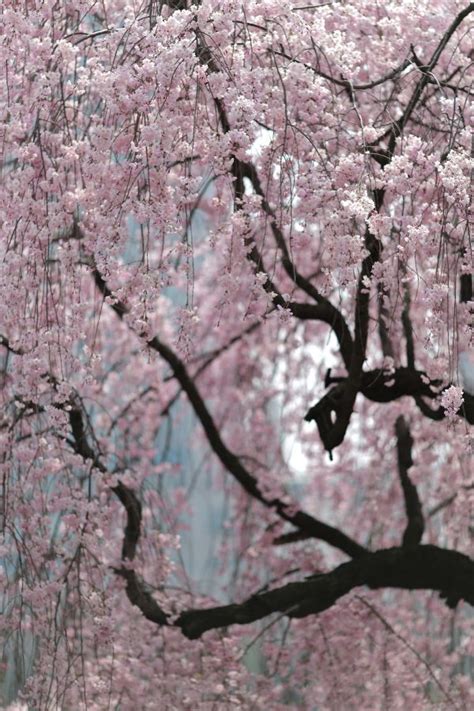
[(416, 568), (6, 344), (300, 519), (345, 83), (416, 524), (408, 327), (396, 129), (465, 288), (240, 169), (323, 310), (379, 386), (136, 589), (412, 568)]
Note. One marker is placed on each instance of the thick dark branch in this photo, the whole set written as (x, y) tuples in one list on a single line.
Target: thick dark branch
[(133, 507), (408, 328), (378, 386), (436, 414), (328, 314), (291, 537), (80, 442), (383, 320), (332, 414), (140, 595), (465, 288), (466, 410), (137, 590), (414, 568), (416, 524), (361, 328), (300, 519)]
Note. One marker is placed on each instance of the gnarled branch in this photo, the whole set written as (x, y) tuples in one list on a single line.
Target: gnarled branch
[(414, 568), (332, 412)]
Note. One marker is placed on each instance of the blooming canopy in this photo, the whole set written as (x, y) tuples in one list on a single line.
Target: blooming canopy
[(244, 225)]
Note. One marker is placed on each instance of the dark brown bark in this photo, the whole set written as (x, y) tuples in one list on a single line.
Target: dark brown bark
[(411, 568), (416, 523)]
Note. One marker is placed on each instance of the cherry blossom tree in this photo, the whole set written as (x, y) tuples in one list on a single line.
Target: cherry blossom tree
[(255, 214)]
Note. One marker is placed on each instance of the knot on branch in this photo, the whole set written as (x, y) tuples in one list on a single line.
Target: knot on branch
[(332, 414)]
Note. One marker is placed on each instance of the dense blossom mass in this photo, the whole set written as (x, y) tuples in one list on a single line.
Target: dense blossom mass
[(247, 221)]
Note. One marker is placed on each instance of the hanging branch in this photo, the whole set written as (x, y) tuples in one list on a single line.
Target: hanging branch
[(416, 524), (137, 591), (384, 156), (325, 311)]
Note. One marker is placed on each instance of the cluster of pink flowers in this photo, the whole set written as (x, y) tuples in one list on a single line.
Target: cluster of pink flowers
[(190, 196)]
